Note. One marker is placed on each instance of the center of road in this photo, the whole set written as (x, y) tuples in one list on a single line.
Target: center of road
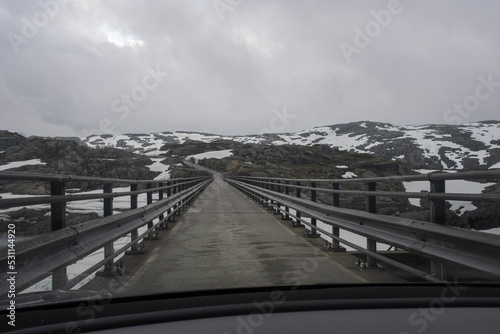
[(224, 240)]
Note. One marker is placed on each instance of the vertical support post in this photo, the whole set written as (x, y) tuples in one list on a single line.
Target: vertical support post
[(261, 197), (163, 224), (57, 210), (371, 207), (133, 198), (180, 186), (58, 221), (149, 200), (262, 185), (108, 211), (149, 194), (438, 206), (298, 214), (313, 233), (371, 204), (335, 230), (287, 209), (270, 187), (135, 233), (169, 211), (278, 204), (438, 216), (336, 197), (175, 190)]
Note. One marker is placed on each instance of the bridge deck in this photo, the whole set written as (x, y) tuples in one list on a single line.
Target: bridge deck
[(226, 240)]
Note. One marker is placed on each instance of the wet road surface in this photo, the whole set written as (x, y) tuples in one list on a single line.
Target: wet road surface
[(225, 240)]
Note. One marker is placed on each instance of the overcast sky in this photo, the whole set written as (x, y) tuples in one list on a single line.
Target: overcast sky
[(76, 67)]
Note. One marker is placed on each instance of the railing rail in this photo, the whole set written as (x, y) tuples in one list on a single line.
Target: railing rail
[(433, 176), (433, 240), (50, 254), (22, 176), (35, 200)]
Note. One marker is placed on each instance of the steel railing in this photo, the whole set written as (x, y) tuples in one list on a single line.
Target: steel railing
[(442, 244), (51, 253)]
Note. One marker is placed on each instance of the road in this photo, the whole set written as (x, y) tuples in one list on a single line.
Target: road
[(225, 240)]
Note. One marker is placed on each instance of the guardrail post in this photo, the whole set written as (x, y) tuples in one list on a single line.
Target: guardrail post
[(313, 232), (182, 187), (149, 200), (261, 197), (296, 223), (108, 248), (371, 244), (191, 184), (177, 189), (278, 205), (438, 216), (58, 221), (335, 245), (57, 210), (169, 211), (163, 225), (438, 206), (371, 204), (271, 188), (253, 194), (336, 197), (135, 233), (287, 209)]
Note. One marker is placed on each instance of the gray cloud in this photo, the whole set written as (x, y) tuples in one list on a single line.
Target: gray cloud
[(73, 75)]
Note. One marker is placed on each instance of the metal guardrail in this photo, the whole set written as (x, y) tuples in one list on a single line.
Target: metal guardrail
[(50, 253), (442, 244)]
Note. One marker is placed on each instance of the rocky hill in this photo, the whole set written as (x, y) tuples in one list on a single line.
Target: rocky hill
[(460, 147), (323, 161), (67, 156)]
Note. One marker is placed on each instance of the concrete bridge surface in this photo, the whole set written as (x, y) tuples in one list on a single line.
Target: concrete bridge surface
[(226, 240)]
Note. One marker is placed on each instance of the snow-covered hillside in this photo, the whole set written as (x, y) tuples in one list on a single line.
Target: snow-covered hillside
[(433, 146)]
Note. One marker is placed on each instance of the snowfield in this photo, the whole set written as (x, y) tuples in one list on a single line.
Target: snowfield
[(158, 166), (17, 164), (453, 186), (210, 155)]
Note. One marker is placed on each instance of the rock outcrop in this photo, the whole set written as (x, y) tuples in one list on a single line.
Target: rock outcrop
[(70, 156)]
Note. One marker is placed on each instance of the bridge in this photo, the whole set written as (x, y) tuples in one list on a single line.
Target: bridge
[(217, 232)]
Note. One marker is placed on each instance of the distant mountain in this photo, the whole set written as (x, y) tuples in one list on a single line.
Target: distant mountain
[(358, 149), (436, 146)]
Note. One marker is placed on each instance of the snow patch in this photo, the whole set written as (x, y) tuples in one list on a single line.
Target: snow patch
[(349, 175), (495, 230), (497, 165), (16, 164), (210, 155), (452, 186)]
